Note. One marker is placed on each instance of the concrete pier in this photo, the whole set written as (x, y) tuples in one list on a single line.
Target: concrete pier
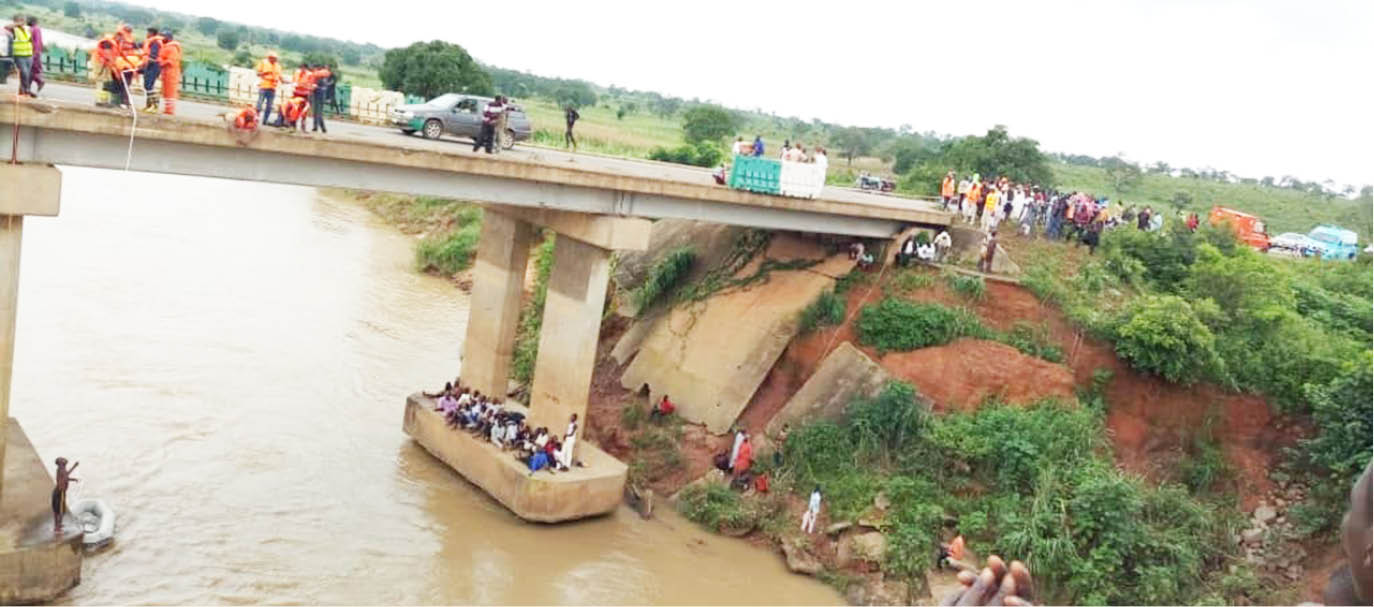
[(545, 497), (498, 281), (35, 565), (568, 336)]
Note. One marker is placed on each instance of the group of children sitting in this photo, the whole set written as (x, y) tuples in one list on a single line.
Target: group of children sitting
[(485, 417)]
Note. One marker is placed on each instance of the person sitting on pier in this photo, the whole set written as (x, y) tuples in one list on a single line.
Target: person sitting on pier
[(447, 403), (538, 461), (448, 387)]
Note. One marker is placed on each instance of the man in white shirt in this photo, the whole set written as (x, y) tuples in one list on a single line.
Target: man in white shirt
[(813, 510), (942, 243), (820, 158), (926, 252), (739, 147)]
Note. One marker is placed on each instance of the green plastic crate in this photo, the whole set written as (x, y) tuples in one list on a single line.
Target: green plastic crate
[(756, 174)]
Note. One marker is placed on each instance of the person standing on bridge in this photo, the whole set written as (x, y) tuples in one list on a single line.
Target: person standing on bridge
[(169, 60), (947, 189), (59, 493), (152, 51), (321, 75), (571, 116), (269, 76), (491, 115), (758, 145), (21, 48), (36, 74)]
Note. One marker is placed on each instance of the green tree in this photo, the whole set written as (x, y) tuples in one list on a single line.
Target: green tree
[(71, 9), (430, 69), (350, 56), (576, 93), (851, 141), (325, 59), (708, 123), (227, 39), (1123, 175), (666, 106), (243, 58), (910, 150), (1163, 334), (207, 26), (997, 153)]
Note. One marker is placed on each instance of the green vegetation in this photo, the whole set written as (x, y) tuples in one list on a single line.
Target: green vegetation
[(663, 277), (1198, 306), (717, 507), (898, 325), (451, 251), (970, 286), (827, 310), (1035, 484), (430, 69), (451, 228), (532, 315), (704, 154), (708, 124)]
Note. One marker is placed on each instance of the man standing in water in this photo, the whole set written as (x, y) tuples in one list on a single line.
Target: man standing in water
[(59, 493), (571, 115)]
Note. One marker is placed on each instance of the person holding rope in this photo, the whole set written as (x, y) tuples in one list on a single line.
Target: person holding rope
[(152, 48)]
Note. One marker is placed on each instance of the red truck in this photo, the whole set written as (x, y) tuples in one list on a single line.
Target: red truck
[(1249, 228)]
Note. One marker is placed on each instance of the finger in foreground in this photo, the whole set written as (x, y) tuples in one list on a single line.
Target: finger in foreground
[(1025, 587), (982, 589)]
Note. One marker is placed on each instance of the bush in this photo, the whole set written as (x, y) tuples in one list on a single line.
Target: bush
[(716, 507), (663, 277), (450, 252), (1161, 334), (971, 287), (826, 310), (894, 324), (703, 154)]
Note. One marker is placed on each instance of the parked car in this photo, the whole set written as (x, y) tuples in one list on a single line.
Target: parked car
[(460, 116), (1337, 242), (1249, 228)]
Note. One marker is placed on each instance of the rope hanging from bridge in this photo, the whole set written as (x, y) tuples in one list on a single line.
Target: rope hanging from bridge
[(850, 316), (124, 84)]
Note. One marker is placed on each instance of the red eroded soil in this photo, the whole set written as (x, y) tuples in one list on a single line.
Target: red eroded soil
[(1149, 419), (964, 373)]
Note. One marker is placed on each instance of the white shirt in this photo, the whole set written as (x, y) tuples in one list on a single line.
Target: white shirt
[(572, 429), (738, 148), (465, 399), (815, 504), (942, 240), (820, 159), (926, 251)]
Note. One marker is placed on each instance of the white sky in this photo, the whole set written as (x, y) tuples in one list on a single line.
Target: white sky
[(1257, 88)]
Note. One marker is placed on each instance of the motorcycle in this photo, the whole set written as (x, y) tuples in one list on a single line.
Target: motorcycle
[(869, 182)]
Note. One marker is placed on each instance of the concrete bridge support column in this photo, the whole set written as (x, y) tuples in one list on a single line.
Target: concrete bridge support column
[(567, 340), (498, 279), (24, 190)]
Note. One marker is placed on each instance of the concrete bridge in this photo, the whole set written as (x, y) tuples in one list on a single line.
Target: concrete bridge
[(595, 205)]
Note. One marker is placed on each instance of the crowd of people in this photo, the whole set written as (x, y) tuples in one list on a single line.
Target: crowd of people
[(118, 58), (1034, 210), (486, 418), (791, 152), (313, 90)]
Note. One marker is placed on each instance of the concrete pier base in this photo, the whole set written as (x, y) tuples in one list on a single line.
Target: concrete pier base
[(544, 497), (35, 565), (498, 280)]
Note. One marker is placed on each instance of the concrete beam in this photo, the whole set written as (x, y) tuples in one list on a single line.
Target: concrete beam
[(602, 231), (567, 339), (498, 280), (30, 189), (68, 134)]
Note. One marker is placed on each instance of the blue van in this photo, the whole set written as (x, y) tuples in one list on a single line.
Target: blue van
[(1337, 242)]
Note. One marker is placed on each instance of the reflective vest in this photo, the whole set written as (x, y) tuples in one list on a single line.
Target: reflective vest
[(170, 57), (975, 192), (269, 75), (23, 42), (947, 188), (247, 119), (294, 109), (305, 83), (152, 47)]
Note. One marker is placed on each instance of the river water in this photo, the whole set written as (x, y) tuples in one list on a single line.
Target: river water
[(229, 361)]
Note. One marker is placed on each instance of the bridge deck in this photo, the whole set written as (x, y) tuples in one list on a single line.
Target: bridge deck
[(378, 158)]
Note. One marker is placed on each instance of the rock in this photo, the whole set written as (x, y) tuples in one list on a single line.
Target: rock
[(1252, 535), (873, 519), (799, 560), (881, 501), (844, 555), (736, 531), (1265, 513), (871, 546), (835, 528), (878, 591)]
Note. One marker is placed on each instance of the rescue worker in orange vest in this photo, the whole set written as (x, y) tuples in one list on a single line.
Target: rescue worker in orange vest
[(152, 47), (947, 189), (269, 77), (305, 82), (116, 66), (292, 113), (169, 59), (319, 78), (247, 119)]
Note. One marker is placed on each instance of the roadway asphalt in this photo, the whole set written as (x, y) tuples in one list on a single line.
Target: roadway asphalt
[(345, 130)]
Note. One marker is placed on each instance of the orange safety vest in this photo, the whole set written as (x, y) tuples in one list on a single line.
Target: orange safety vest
[(145, 53), (247, 119), (105, 50), (170, 57), (305, 83), (294, 109), (269, 74), (975, 192), (947, 187)]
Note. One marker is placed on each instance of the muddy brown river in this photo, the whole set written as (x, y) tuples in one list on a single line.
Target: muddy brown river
[(228, 361)]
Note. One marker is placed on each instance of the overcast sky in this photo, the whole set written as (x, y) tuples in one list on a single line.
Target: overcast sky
[(1257, 88)]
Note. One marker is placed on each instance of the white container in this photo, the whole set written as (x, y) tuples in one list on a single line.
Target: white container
[(801, 179)]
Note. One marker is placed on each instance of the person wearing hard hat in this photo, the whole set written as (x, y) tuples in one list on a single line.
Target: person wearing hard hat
[(269, 77)]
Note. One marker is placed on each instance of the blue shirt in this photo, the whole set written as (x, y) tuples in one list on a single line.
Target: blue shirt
[(538, 461), (758, 146)]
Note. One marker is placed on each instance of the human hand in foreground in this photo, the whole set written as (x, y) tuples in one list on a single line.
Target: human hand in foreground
[(996, 584)]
